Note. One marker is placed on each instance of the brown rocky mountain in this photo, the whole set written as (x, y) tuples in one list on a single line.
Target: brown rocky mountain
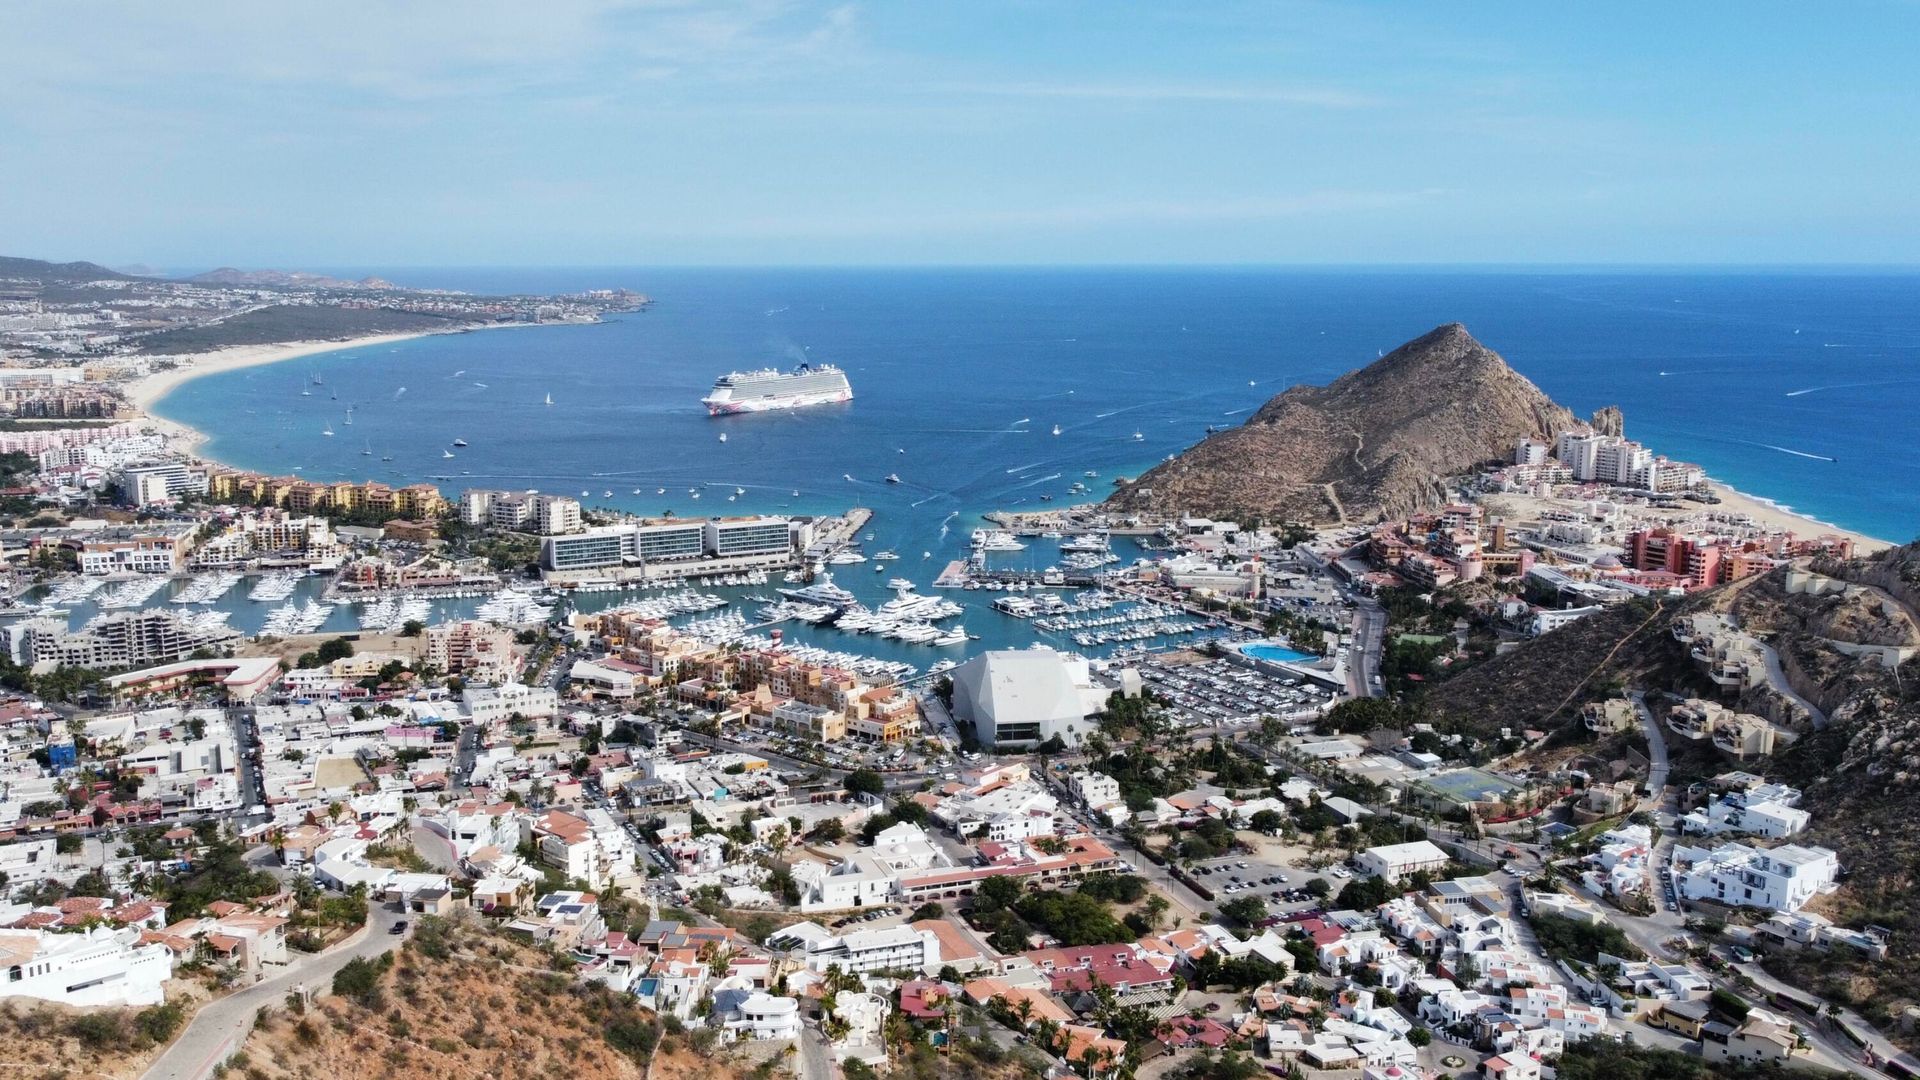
[(1377, 442)]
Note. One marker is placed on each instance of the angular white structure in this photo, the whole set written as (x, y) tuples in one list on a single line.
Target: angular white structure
[(1023, 697)]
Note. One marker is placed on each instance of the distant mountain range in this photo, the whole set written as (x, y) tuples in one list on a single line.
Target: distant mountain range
[(1375, 443), (41, 270), (286, 279)]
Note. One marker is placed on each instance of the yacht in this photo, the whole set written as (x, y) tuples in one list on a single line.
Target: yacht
[(900, 584), (844, 557), (823, 591), (1137, 437), (723, 436), (459, 442), (955, 636), (886, 556)]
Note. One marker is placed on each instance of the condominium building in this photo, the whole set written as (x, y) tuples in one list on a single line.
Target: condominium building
[(118, 639), (479, 651), (151, 485), (151, 549), (740, 542)]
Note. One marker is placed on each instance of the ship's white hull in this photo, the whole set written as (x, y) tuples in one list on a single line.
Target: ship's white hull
[(728, 406)]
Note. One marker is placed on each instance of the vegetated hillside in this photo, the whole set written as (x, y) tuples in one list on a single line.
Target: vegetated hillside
[(1861, 778), (283, 323), (461, 1000), (1378, 442), (1543, 682), (41, 1039), (41, 270)]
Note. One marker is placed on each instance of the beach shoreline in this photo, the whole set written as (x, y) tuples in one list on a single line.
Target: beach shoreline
[(148, 390), (1773, 515)]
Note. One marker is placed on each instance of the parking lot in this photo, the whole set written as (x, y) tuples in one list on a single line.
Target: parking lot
[(1281, 887), (1219, 693)]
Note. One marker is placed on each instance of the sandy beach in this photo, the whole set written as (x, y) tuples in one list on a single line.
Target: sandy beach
[(147, 390), (1772, 516)]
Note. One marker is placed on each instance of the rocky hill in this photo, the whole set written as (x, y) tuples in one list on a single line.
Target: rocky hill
[(1377, 442), (1859, 771), (461, 1000)]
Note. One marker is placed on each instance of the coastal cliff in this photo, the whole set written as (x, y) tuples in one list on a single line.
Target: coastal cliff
[(1378, 442)]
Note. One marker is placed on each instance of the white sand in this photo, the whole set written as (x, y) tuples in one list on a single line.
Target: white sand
[(144, 392), (1774, 517)]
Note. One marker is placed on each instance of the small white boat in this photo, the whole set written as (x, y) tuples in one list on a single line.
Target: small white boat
[(723, 436), (1056, 429), (660, 491), (549, 399), (327, 431), (1138, 437), (446, 453), (893, 478), (459, 442)]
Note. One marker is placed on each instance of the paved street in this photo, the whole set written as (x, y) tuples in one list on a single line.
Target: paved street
[(222, 1025)]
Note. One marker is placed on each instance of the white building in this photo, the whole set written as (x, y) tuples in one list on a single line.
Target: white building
[(93, 967), (1393, 862), (497, 704), (1778, 879), (757, 1015), (897, 948), (1766, 810), (1022, 697)]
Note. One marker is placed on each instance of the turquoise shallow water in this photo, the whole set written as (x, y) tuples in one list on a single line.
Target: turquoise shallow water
[(1796, 387)]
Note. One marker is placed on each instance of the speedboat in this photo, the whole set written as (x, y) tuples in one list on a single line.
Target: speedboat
[(723, 436), (893, 478), (459, 442), (443, 453)]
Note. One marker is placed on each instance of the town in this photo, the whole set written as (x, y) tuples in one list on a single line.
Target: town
[(1241, 851)]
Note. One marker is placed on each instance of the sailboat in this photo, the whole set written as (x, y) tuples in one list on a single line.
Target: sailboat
[(328, 431), (1056, 429), (1137, 436), (446, 453), (368, 452), (304, 392), (349, 416), (549, 399)]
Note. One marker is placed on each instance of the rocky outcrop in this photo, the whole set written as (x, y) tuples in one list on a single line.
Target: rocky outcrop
[(1608, 421), (1378, 442)]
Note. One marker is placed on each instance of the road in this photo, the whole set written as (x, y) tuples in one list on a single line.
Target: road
[(1656, 749), (815, 1059), (220, 1027), (1363, 659), (1777, 678)]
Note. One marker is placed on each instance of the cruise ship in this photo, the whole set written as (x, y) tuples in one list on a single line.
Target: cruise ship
[(768, 389)]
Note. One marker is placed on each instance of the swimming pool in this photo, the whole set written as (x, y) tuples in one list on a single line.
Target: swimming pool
[(1275, 653)]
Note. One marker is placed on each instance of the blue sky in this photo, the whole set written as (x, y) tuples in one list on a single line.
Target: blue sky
[(764, 132)]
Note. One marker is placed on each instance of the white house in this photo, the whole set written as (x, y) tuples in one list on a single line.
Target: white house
[(497, 704), (100, 966), (1393, 862), (753, 1014), (1765, 810), (1779, 879)]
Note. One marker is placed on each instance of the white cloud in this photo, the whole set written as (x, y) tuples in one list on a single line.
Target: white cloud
[(1315, 97)]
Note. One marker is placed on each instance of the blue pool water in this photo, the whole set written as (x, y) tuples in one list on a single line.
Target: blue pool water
[(1275, 653)]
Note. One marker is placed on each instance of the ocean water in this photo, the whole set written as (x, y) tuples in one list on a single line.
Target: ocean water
[(1798, 387)]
